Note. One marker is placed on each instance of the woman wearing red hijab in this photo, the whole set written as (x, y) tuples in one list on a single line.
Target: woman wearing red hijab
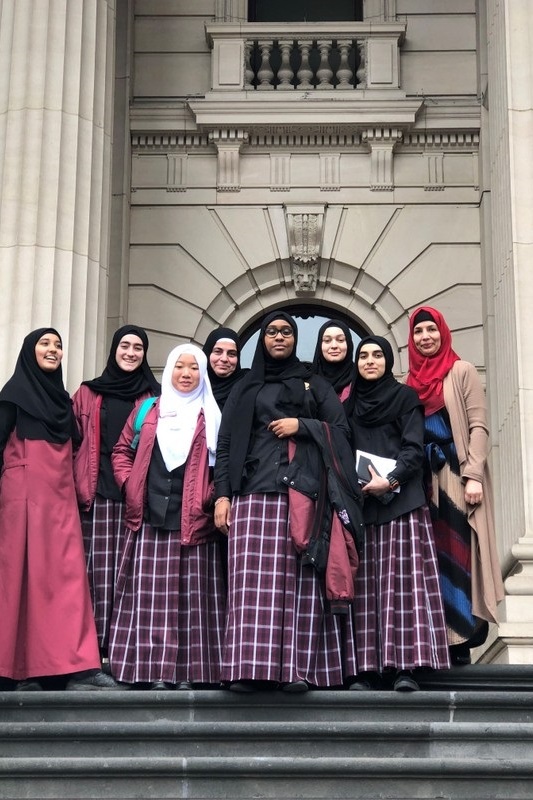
[(460, 491)]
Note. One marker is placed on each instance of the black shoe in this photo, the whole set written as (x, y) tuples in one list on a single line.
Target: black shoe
[(91, 681), (460, 655), (242, 687), (28, 685), (295, 687), (367, 681), (404, 682), (360, 685), (161, 686), (184, 686)]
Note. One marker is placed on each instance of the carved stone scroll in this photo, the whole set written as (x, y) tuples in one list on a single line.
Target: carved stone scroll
[(304, 231)]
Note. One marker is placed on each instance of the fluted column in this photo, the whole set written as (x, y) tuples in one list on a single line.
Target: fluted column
[(509, 257), (56, 84)]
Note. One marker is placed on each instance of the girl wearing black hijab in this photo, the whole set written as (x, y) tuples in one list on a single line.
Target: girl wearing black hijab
[(278, 630), (333, 358), (399, 617), (101, 407), (45, 606), (223, 351)]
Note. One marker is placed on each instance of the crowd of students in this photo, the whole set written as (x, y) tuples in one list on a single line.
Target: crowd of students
[(295, 525)]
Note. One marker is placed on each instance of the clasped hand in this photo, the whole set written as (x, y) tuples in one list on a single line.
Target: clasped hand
[(283, 428)]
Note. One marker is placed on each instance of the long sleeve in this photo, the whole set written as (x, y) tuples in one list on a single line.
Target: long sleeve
[(410, 459), (123, 455), (8, 418), (221, 472), (329, 409), (466, 404)]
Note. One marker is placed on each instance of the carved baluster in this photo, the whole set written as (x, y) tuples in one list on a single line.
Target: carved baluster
[(324, 73), (265, 72), (305, 73), (344, 73), (361, 69), (285, 73), (248, 71)]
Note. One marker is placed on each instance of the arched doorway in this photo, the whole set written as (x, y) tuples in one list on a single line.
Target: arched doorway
[(309, 319)]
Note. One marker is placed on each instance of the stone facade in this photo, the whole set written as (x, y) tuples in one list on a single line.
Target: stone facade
[(364, 167)]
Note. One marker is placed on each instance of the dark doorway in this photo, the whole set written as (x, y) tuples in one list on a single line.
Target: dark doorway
[(305, 10), (309, 319)]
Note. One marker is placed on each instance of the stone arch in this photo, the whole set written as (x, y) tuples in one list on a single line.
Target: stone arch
[(193, 268), (238, 309)]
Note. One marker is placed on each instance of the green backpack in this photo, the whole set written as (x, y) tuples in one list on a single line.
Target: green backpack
[(140, 416)]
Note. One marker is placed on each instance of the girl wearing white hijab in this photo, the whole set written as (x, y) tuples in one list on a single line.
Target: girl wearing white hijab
[(169, 610)]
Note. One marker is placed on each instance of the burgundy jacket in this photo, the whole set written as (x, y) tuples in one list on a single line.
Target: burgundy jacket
[(87, 405), (342, 557), (131, 473)]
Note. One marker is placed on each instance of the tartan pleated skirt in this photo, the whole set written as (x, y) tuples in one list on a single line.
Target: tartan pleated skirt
[(278, 626), (103, 531), (399, 616), (168, 620)]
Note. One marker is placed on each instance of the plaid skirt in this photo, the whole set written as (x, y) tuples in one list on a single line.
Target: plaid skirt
[(399, 616), (168, 620), (278, 625), (103, 537)]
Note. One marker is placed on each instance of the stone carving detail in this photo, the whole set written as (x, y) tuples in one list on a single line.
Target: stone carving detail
[(280, 172), (228, 144), (435, 172), (176, 173), (304, 230), (330, 173), (442, 140), (305, 277), (164, 141), (382, 142)]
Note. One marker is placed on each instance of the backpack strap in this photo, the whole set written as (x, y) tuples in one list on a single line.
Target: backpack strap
[(140, 416)]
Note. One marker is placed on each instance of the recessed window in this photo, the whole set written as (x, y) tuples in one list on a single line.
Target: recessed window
[(305, 10)]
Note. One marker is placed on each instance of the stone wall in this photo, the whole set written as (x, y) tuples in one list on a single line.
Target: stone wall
[(396, 232)]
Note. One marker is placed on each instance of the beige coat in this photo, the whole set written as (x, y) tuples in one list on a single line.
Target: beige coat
[(465, 402)]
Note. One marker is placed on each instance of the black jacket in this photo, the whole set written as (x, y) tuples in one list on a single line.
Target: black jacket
[(403, 440), (320, 404)]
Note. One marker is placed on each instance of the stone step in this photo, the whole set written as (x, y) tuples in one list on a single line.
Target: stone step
[(219, 706), (267, 777), (324, 745), (252, 739)]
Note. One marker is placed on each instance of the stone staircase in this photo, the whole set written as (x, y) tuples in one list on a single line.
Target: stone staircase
[(467, 736)]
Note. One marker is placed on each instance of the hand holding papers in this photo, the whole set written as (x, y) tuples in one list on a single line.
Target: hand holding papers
[(381, 465)]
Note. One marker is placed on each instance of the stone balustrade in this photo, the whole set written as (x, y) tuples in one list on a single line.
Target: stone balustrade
[(305, 57)]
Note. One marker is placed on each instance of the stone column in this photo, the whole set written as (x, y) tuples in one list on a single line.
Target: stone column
[(56, 94), (509, 296)]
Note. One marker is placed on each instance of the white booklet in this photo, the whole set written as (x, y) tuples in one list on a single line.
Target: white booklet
[(383, 466)]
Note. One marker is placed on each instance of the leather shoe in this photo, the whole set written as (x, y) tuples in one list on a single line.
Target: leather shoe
[(161, 686), (28, 685), (242, 687), (295, 687), (360, 685), (405, 682), (91, 681)]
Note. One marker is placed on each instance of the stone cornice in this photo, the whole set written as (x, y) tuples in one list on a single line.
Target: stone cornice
[(291, 138), (168, 141), (303, 30), (304, 111), (441, 140)]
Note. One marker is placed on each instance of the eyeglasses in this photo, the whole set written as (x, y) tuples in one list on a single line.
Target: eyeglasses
[(273, 332)]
